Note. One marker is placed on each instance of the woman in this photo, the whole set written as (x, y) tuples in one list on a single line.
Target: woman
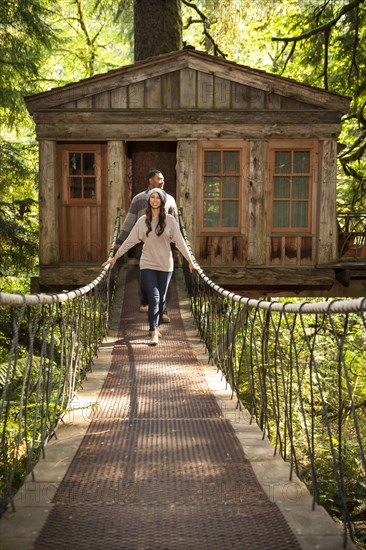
[(157, 230)]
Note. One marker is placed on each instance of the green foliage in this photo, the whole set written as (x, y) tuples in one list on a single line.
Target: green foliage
[(25, 36), (91, 40), (18, 208)]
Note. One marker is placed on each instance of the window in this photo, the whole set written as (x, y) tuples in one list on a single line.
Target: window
[(221, 175), (81, 175), (291, 190)]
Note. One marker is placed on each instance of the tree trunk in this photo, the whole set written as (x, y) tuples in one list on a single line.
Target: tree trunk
[(157, 27)]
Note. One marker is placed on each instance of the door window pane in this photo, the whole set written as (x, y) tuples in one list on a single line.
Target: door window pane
[(75, 163), (88, 163), (75, 188), (81, 177), (89, 188)]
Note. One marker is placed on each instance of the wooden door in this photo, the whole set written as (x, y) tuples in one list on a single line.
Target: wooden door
[(82, 196), (148, 155)]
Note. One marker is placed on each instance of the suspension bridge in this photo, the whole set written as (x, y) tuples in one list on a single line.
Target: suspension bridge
[(204, 441)]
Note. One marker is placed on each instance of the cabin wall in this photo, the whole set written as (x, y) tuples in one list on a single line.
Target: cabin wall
[(254, 246), (257, 244)]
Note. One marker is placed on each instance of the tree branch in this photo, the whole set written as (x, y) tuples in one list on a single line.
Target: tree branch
[(323, 28), (206, 24), (354, 48), (326, 57)]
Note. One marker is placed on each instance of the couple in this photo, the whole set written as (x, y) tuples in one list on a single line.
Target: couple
[(157, 230)]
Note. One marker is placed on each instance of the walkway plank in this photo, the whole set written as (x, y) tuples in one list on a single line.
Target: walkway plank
[(160, 467)]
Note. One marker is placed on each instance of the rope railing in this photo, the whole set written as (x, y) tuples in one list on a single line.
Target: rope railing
[(299, 369), (52, 341)]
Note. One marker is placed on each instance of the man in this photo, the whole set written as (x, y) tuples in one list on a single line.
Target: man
[(137, 209)]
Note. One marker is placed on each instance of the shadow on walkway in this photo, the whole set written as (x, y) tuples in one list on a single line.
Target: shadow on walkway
[(160, 467)]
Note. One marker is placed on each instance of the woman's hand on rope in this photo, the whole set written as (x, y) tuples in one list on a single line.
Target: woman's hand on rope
[(110, 262), (192, 267)]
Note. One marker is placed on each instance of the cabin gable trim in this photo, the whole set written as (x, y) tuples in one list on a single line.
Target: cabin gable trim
[(150, 74)]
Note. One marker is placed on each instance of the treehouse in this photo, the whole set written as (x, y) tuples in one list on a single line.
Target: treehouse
[(249, 156)]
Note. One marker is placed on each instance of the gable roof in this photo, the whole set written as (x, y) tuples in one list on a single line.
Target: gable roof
[(207, 64)]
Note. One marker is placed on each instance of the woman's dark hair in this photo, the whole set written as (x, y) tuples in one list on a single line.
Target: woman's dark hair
[(161, 221)]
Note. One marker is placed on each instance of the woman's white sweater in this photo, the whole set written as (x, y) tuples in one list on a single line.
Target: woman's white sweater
[(156, 251)]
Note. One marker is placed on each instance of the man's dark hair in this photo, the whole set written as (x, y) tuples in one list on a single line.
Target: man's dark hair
[(153, 173)]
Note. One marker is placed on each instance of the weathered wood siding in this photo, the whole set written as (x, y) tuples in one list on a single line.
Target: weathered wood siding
[(49, 252), (256, 226), (116, 197), (188, 88), (295, 250), (327, 220), (186, 185), (229, 251)]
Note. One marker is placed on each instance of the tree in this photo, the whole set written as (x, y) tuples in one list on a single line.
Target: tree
[(18, 208), (90, 40), (157, 27), (25, 36), (327, 45)]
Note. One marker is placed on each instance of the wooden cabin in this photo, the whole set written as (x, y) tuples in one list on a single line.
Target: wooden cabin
[(249, 156)]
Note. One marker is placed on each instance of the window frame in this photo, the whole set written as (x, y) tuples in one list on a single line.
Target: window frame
[(292, 147), (220, 145), (68, 150)]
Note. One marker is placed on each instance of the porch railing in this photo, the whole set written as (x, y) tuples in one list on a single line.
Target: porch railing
[(352, 235)]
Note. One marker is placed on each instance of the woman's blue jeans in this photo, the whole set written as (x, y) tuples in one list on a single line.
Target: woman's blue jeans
[(156, 284)]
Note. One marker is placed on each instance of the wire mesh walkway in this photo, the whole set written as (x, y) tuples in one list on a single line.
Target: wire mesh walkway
[(147, 473)]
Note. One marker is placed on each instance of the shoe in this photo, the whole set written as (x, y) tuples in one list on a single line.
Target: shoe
[(157, 331), (165, 318), (154, 338), (144, 309)]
